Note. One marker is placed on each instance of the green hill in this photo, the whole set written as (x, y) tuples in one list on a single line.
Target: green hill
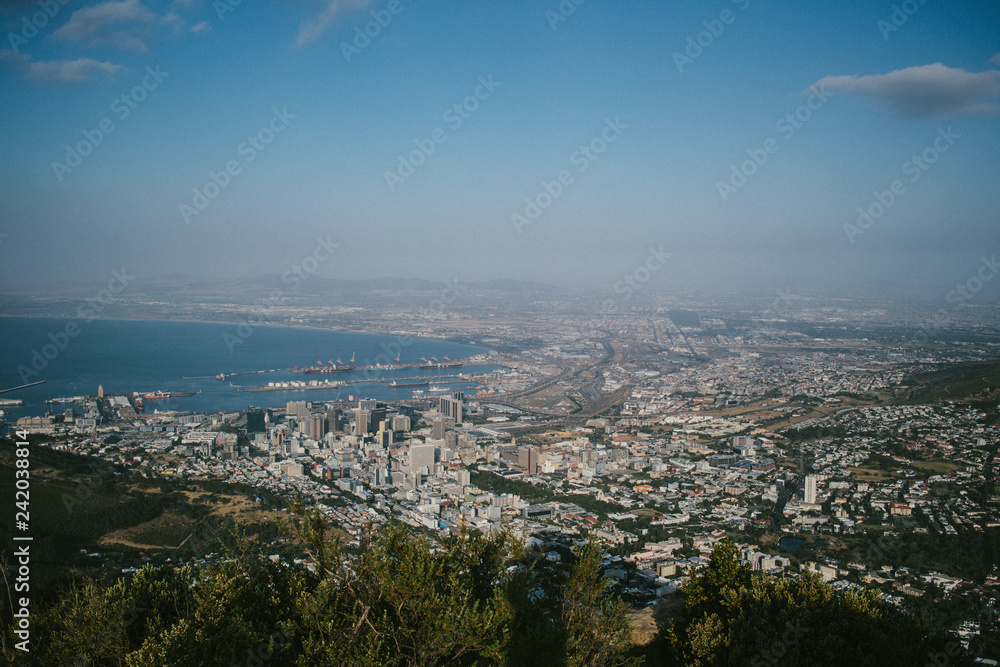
[(82, 504), (973, 381)]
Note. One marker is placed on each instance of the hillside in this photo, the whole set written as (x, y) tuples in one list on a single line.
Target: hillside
[(975, 381), (81, 505)]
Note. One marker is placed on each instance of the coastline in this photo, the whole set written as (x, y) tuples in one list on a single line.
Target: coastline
[(239, 322)]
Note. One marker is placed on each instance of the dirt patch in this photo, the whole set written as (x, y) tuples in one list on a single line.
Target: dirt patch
[(643, 626)]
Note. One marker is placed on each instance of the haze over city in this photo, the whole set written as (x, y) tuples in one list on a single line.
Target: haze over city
[(560, 143)]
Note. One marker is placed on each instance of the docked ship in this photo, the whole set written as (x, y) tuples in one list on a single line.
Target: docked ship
[(434, 363), (402, 385), (339, 367), (153, 395)]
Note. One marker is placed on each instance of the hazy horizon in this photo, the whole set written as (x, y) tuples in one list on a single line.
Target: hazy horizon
[(420, 149)]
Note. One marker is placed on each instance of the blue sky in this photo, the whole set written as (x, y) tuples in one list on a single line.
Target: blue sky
[(338, 114)]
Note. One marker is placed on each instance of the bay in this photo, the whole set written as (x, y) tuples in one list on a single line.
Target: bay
[(125, 356)]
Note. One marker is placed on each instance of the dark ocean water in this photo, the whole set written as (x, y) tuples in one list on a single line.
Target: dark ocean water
[(142, 355)]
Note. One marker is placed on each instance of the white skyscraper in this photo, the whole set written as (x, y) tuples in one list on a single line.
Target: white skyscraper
[(421, 456), (810, 489)]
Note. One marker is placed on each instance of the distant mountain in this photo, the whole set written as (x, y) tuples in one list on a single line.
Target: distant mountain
[(174, 285)]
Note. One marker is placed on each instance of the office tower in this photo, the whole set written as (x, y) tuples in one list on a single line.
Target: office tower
[(376, 417), (361, 422), (527, 458), (401, 423), (385, 435), (452, 408), (298, 409), (462, 477), (810, 494), (333, 420), (438, 429), (421, 456), (451, 440), (255, 420), (368, 404), (317, 424)]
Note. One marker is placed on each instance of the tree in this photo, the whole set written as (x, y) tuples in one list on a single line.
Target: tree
[(596, 623), (732, 617)]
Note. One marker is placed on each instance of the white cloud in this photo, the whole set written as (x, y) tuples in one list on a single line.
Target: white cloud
[(927, 90), (204, 26), (312, 29), (60, 71), (127, 25), (995, 60)]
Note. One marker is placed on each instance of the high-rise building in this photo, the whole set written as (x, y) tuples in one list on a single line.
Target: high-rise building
[(333, 420), (298, 409), (255, 421), (361, 418), (438, 429), (810, 493), (421, 456), (527, 458), (376, 417), (452, 408), (368, 404), (401, 423), (317, 426)]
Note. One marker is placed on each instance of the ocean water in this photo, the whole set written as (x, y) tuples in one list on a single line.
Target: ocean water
[(74, 357)]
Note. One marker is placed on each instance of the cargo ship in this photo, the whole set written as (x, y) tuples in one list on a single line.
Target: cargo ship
[(339, 367), (434, 363), (402, 385), (168, 394)]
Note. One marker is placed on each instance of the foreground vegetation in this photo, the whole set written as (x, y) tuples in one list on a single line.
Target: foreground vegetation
[(467, 599)]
